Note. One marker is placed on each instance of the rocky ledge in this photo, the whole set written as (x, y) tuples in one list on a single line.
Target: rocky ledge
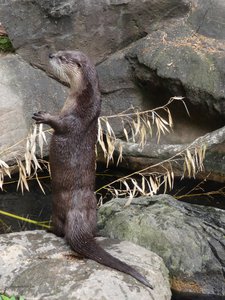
[(39, 265), (189, 238)]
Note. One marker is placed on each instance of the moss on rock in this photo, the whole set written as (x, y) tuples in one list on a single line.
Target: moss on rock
[(5, 44)]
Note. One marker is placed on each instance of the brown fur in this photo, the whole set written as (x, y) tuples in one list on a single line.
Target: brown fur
[(72, 159)]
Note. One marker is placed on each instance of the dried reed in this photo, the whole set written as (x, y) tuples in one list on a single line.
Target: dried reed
[(140, 127)]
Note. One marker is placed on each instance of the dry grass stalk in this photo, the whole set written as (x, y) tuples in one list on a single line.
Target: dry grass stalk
[(141, 185), (151, 181), (193, 162), (30, 164), (4, 171), (35, 138), (139, 127)]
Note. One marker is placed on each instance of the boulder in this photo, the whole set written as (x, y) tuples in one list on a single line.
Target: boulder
[(175, 61), (189, 238), (23, 91), (39, 265)]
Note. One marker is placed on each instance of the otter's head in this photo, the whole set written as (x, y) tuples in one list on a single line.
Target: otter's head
[(73, 68)]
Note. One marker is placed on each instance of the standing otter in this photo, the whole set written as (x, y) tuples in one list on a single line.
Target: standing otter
[(72, 159)]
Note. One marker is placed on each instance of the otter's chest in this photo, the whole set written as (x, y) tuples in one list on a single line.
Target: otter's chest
[(70, 148)]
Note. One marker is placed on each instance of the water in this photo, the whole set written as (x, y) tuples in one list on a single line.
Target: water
[(191, 296), (33, 205)]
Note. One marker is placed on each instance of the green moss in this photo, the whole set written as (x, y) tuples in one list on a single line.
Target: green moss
[(4, 297), (5, 44)]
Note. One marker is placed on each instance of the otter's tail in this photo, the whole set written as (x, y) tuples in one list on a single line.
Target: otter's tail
[(88, 247)]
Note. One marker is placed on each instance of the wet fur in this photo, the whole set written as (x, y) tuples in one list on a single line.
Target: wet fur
[(72, 159)]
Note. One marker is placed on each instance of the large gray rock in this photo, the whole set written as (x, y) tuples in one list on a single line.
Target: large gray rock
[(23, 91), (38, 265), (185, 65), (189, 238), (96, 27)]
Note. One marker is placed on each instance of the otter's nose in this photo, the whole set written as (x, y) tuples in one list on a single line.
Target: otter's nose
[(51, 55)]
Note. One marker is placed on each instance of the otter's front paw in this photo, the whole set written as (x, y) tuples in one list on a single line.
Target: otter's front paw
[(41, 117)]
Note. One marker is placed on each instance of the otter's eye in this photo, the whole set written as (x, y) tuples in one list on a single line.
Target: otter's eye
[(79, 65), (62, 58)]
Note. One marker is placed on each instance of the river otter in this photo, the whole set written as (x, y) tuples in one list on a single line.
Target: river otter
[(72, 159)]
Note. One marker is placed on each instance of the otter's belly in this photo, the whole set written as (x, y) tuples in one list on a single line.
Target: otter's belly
[(72, 165)]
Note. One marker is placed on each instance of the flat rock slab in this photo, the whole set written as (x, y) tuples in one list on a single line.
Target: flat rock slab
[(39, 265)]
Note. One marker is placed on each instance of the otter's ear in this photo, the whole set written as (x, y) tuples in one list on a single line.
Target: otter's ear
[(78, 64)]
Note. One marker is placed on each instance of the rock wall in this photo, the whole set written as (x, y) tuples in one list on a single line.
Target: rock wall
[(97, 27), (145, 51)]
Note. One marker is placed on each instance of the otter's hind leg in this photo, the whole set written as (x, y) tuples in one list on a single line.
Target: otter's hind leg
[(58, 227)]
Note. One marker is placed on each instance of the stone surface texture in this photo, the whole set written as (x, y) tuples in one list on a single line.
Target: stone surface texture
[(189, 238), (38, 265), (23, 91), (97, 27)]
